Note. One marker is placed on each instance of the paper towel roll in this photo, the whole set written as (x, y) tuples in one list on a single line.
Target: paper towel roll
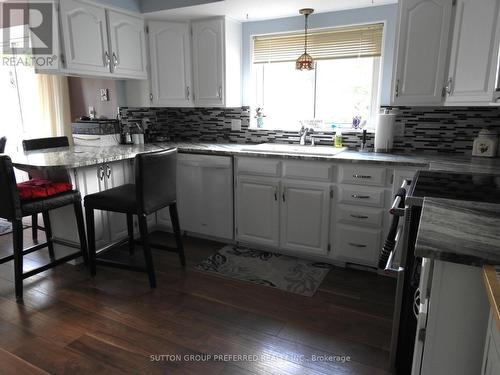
[(384, 132)]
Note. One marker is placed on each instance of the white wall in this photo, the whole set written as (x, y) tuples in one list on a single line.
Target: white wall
[(385, 13)]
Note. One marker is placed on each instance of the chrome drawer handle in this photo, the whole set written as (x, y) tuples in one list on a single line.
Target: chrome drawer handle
[(357, 196), (359, 216), (361, 176), (356, 244)]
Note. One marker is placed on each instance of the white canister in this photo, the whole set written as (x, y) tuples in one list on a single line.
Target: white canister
[(486, 143), (384, 132)]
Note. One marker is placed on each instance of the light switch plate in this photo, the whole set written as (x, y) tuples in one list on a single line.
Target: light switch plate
[(236, 124), (104, 95)]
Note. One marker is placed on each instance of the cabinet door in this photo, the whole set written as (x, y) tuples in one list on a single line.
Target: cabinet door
[(474, 53), (208, 60), (117, 173), (92, 180), (424, 29), (85, 37), (170, 64), (257, 211), (304, 217), (491, 357), (127, 45)]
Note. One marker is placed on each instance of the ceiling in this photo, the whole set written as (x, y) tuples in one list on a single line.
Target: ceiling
[(255, 10)]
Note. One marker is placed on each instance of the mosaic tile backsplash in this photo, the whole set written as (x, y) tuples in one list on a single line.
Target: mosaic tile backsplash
[(425, 129)]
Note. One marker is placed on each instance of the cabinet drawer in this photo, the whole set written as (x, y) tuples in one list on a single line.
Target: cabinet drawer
[(362, 175), (258, 166), (307, 170), (360, 215), (359, 195), (357, 245)]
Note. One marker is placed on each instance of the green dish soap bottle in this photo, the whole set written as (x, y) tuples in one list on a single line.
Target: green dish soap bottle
[(337, 139)]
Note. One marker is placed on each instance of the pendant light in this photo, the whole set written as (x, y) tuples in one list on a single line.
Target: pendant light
[(305, 61)]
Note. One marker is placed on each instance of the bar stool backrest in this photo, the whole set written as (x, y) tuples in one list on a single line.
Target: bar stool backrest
[(3, 140), (10, 204), (41, 143), (155, 180)]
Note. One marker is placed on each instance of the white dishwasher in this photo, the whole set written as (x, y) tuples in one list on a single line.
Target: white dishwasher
[(205, 194)]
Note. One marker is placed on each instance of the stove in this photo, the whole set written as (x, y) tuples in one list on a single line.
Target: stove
[(454, 185)]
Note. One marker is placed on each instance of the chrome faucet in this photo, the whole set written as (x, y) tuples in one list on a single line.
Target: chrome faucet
[(303, 133)]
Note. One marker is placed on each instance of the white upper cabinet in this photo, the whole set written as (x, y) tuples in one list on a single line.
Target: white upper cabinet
[(216, 47), (102, 42), (208, 52), (474, 52), (85, 37), (127, 45), (422, 49), (169, 43)]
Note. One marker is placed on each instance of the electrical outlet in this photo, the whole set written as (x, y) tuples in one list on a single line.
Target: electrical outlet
[(104, 95), (236, 124)]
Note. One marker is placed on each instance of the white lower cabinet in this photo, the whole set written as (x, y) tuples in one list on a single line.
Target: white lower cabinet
[(304, 217), (491, 359), (90, 180), (257, 211), (109, 226), (336, 212), (118, 173), (355, 244)]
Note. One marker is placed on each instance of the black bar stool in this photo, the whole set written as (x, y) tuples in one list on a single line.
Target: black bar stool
[(14, 209), (39, 144), (154, 189), (3, 141)]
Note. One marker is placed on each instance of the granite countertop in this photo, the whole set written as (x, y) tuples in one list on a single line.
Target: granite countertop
[(80, 156), (459, 231), (491, 276)]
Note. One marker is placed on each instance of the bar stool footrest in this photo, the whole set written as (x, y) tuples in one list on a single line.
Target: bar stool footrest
[(123, 266), (52, 264), (26, 251)]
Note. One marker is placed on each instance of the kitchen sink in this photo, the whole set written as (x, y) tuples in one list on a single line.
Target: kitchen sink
[(294, 149)]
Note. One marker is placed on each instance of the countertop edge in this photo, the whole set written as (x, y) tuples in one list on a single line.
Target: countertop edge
[(492, 285)]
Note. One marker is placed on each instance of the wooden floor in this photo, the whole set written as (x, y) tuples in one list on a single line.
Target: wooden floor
[(114, 324)]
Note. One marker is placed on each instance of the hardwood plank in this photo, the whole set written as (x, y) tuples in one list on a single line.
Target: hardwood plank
[(11, 364), (113, 323)]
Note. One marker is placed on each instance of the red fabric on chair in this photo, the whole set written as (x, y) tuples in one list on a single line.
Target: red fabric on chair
[(38, 188)]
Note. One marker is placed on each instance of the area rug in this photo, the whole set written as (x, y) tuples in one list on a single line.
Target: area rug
[(284, 272), (5, 227)]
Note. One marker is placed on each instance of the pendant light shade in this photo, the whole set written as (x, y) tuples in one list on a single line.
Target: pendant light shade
[(305, 61)]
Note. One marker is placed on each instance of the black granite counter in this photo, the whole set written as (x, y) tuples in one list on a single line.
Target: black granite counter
[(459, 231)]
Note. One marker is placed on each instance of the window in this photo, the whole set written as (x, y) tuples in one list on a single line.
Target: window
[(343, 85)]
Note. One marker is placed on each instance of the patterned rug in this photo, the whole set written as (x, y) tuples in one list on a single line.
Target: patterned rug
[(260, 267), (5, 227)]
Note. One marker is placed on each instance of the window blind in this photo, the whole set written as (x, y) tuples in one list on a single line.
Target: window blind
[(337, 43)]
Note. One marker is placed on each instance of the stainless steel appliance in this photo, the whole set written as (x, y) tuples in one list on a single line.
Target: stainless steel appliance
[(410, 310)]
